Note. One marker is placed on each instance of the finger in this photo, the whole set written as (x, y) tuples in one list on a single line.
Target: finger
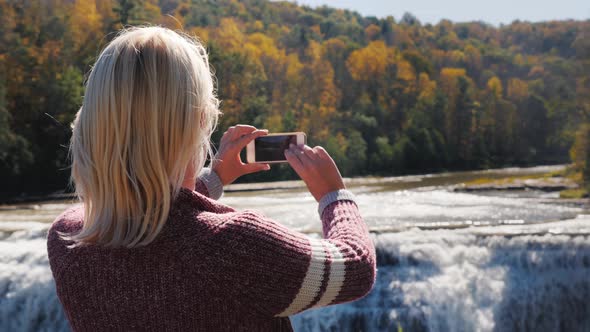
[(241, 130), (294, 161), (228, 133), (309, 152), (236, 131), (244, 140), (244, 127), (253, 168), (300, 153), (321, 152)]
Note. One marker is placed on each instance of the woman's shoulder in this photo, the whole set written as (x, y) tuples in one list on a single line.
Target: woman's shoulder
[(193, 206), (223, 218), (69, 220), (189, 201)]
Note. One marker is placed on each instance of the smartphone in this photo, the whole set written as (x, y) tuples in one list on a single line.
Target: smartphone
[(271, 148)]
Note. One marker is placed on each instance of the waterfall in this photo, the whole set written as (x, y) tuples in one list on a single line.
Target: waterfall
[(455, 281), (502, 278)]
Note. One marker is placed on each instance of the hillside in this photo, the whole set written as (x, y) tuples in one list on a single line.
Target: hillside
[(383, 96)]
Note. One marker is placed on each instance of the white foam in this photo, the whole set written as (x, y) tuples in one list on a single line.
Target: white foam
[(448, 280), (395, 210), (495, 263), (28, 301)]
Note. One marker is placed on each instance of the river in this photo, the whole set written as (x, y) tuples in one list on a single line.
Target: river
[(447, 261)]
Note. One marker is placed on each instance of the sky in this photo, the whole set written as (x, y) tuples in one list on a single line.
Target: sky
[(491, 11)]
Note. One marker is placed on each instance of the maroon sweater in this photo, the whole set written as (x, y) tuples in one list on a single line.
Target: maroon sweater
[(212, 268)]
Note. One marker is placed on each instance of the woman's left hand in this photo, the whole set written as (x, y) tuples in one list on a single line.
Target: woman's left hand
[(227, 162)]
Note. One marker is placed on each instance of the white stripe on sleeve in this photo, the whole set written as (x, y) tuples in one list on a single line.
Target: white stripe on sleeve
[(336, 276), (313, 279)]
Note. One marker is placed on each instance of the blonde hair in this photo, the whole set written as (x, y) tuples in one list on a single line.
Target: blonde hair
[(148, 113)]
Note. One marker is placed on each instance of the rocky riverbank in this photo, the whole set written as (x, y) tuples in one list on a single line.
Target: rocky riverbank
[(542, 184), (566, 181)]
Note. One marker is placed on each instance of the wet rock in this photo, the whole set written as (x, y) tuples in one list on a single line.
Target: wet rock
[(544, 184)]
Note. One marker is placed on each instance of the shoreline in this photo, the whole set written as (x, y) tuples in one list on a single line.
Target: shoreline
[(505, 172), (566, 181)]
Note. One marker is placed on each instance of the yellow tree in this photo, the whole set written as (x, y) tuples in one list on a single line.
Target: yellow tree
[(323, 97), (335, 51), (500, 118), (517, 90), (370, 66), (369, 63), (580, 152), (494, 86), (229, 35), (456, 57), (406, 75), (448, 79), (426, 88), (85, 14), (294, 90), (263, 51), (449, 84), (372, 32), (472, 58)]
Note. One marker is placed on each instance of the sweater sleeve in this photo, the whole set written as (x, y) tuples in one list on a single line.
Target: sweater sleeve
[(209, 184), (283, 272)]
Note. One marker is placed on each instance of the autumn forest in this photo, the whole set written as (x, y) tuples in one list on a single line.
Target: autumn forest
[(384, 96)]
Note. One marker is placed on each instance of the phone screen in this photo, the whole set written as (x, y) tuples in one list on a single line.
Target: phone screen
[(272, 148)]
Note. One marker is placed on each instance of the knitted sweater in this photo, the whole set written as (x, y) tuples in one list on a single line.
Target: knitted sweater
[(213, 268)]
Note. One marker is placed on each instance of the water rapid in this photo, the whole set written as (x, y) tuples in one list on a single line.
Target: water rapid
[(447, 261)]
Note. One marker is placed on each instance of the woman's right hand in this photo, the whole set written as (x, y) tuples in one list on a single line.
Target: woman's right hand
[(227, 162), (316, 168)]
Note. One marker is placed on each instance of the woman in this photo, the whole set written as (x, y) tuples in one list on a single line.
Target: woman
[(150, 248)]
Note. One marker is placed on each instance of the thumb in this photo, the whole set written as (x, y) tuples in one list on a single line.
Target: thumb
[(254, 167)]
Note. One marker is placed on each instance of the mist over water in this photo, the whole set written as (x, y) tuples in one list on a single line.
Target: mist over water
[(447, 261)]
